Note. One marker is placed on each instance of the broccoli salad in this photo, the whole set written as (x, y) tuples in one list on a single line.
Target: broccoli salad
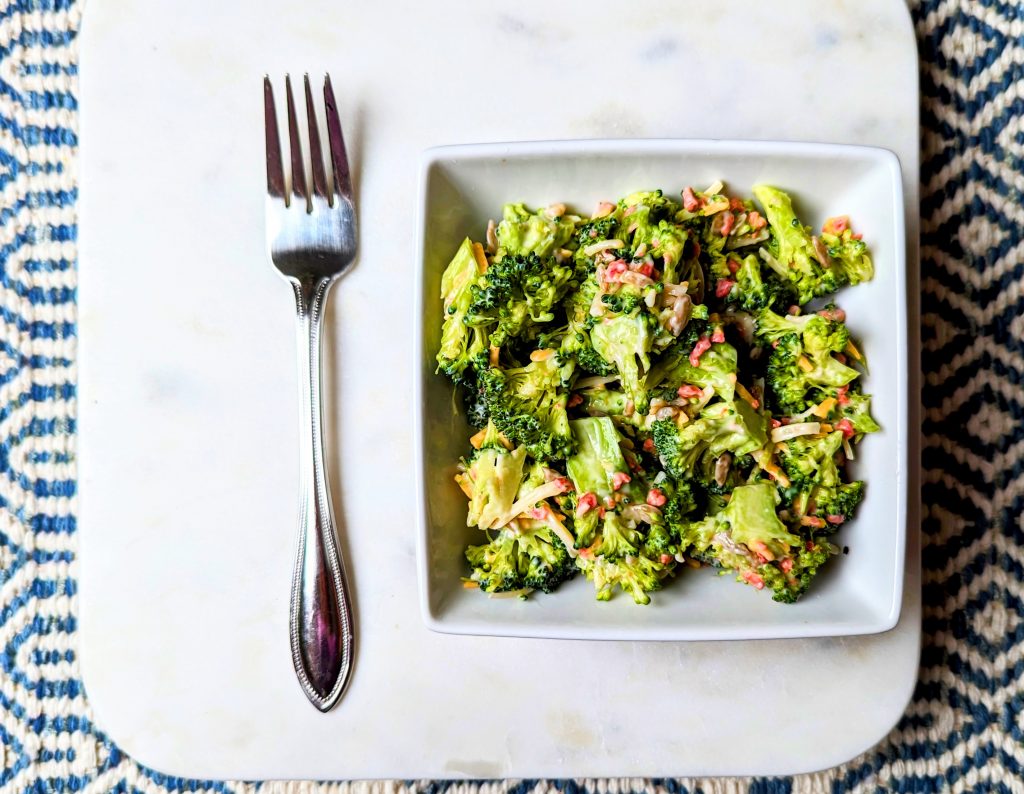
[(663, 385)]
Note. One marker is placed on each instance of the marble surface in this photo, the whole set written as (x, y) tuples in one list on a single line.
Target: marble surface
[(187, 446)]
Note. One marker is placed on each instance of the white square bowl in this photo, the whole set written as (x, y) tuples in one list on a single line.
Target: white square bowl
[(857, 593)]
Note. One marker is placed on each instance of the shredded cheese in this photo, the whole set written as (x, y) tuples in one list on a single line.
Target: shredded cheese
[(747, 396), (603, 245), (804, 363), (786, 432), (824, 408)]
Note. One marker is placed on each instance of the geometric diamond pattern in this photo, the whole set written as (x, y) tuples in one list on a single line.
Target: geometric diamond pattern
[(964, 729)]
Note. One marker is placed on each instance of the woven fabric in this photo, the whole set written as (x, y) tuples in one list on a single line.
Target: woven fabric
[(965, 727)]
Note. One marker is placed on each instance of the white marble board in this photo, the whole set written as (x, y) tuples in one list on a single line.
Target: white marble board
[(187, 445)]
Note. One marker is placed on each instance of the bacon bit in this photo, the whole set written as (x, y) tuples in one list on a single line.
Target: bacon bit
[(776, 423), (655, 498), (615, 270), (699, 349), (687, 392), (649, 445), (812, 521), (836, 519), (736, 204), (840, 358), (609, 502), (574, 400), (724, 287), (665, 559), (718, 337), (585, 504), (733, 266), (690, 202), (810, 545), (857, 236), (775, 343), (586, 553), (696, 248), (756, 221), (786, 565), (836, 225), (847, 427), (600, 512), (619, 479), (492, 356), (747, 396), (646, 269), (838, 315), (480, 257), (565, 484), (841, 397), (752, 578), (604, 208), (728, 224), (629, 211), (793, 310), (538, 513)]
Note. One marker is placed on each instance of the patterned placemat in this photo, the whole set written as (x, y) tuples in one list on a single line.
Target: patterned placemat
[(965, 727)]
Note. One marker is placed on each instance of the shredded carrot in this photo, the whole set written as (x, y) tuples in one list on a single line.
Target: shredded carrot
[(804, 363), (480, 256), (851, 348), (464, 484), (747, 396)]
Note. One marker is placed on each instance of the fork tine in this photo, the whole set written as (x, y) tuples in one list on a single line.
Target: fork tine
[(319, 176), (339, 160), (275, 170), (298, 169)]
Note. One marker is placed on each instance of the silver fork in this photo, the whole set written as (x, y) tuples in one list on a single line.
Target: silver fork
[(311, 238)]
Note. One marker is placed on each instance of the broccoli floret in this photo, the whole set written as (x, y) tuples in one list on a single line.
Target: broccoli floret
[(752, 521), (549, 563), (810, 460), (801, 367), (721, 427), (789, 578), (492, 479), (516, 294), (755, 290), (847, 253), (626, 342), (590, 361), (616, 540), (463, 349), (524, 232), (529, 407), (530, 558), (604, 402), (665, 534), (625, 301), (598, 459), (857, 410), (636, 574), (716, 368), (792, 247), (840, 500)]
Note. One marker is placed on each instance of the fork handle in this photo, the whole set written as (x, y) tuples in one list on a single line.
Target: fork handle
[(320, 622)]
